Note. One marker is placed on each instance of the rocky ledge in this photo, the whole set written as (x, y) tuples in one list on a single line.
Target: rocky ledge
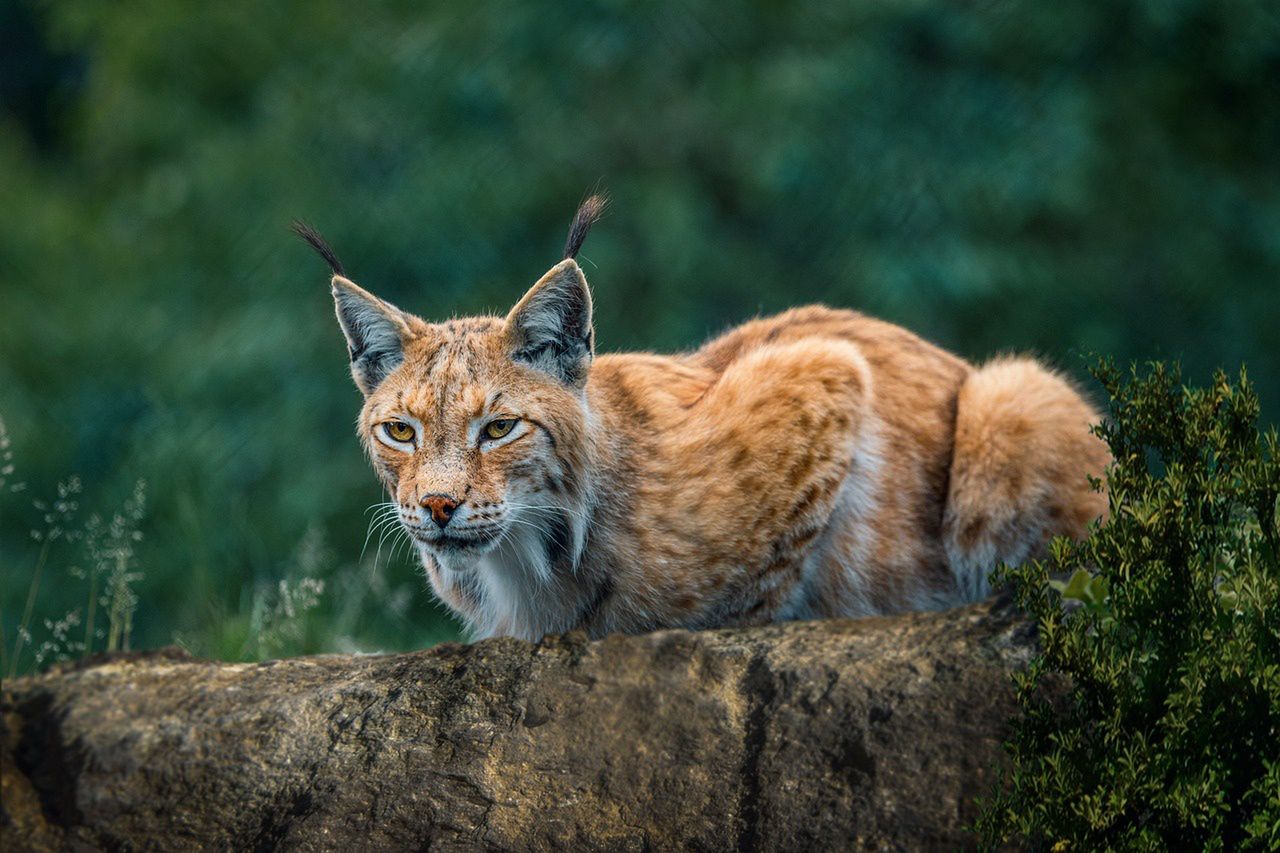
[(877, 733)]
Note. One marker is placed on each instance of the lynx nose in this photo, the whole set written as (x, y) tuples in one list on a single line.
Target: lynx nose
[(442, 508)]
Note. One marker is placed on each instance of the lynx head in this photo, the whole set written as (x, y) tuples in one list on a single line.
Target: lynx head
[(477, 426)]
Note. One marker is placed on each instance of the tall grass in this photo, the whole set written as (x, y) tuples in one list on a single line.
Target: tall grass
[(86, 587), (108, 575)]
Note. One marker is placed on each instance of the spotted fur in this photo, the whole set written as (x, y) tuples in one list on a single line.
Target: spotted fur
[(813, 464)]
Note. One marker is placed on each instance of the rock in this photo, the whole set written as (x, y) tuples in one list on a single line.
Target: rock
[(876, 733)]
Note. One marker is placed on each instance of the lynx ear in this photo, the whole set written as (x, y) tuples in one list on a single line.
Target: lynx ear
[(376, 333), (550, 328)]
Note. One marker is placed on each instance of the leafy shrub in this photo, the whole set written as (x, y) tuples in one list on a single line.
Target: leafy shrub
[(1164, 732)]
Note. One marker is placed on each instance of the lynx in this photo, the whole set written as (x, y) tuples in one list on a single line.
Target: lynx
[(818, 463)]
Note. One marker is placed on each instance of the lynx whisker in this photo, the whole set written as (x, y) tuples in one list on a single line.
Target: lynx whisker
[(582, 516), (377, 523)]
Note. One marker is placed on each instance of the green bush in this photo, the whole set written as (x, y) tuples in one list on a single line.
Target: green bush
[(1152, 714)]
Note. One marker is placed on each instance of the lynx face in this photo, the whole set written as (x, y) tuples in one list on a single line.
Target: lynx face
[(476, 426), (473, 441)]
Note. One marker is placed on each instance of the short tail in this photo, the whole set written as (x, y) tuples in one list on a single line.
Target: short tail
[(1018, 475)]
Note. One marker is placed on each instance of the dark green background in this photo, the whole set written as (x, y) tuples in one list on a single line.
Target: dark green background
[(1062, 178)]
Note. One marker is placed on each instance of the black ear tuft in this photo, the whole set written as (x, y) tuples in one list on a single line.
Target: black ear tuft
[(313, 238), (589, 213)]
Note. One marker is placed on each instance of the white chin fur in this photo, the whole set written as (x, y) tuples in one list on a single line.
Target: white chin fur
[(455, 559), (520, 594)]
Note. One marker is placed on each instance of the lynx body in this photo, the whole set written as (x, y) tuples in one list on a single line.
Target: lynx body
[(818, 463)]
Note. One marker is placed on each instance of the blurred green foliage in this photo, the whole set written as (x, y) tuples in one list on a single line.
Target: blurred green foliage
[(1064, 177)]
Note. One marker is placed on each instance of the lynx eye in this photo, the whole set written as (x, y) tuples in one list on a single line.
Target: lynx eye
[(497, 429), (398, 431)]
